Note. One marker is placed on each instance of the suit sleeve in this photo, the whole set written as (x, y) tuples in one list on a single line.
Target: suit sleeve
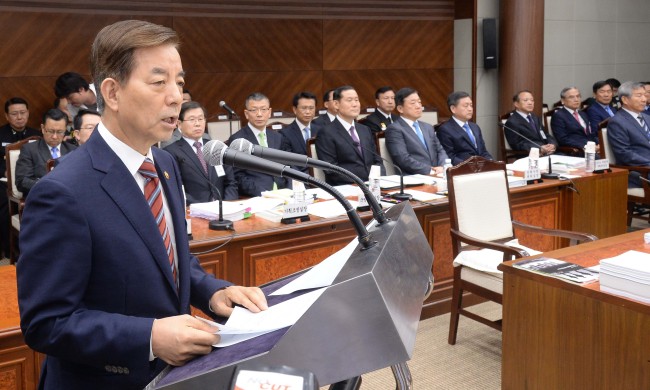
[(396, 145), (621, 142), (440, 151), (447, 142), (326, 150), (516, 141), (559, 126), (57, 321), (25, 166), (230, 185), (594, 118)]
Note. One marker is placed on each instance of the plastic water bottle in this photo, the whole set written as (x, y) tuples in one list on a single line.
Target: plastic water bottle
[(533, 159), (374, 182), (298, 191), (590, 156), (444, 168)]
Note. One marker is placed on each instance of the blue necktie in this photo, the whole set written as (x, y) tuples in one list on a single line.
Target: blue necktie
[(609, 111), (470, 134), (307, 133), (55, 152), (416, 125)]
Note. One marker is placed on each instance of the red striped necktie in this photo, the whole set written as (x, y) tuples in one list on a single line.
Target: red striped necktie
[(153, 195)]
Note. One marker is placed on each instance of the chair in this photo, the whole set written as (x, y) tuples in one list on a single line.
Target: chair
[(567, 150), (311, 153), (383, 152), (282, 117), (277, 126), (222, 129), (16, 200), (636, 197), (481, 217), (429, 115), (506, 153)]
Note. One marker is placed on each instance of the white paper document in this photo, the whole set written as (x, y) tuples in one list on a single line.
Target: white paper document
[(243, 324), (329, 208)]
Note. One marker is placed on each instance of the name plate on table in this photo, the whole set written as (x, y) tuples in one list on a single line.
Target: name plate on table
[(601, 165), (532, 174), (295, 211)]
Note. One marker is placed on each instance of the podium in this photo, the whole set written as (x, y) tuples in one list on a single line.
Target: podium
[(366, 320)]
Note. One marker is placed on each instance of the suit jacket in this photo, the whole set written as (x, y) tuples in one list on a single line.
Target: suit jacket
[(293, 141), (200, 187), (8, 136), (522, 126), (407, 151), (335, 146), (596, 114), (252, 183), (320, 122), (458, 145), (96, 300), (569, 132), (628, 139), (375, 119), (32, 163)]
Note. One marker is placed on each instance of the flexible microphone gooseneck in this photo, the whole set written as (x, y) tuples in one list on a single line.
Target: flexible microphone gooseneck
[(288, 158), (401, 195), (217, 153), (550, 174)]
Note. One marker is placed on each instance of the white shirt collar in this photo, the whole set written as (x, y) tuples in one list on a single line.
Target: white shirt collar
[(345, 124), (383, 113), (460, 123), (129, 156), (192, 141), (523, 114)]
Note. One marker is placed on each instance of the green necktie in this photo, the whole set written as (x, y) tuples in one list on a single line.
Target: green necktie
[(262, 138)]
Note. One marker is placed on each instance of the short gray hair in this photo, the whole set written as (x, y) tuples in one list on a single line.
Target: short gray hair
[(628, 87), (565, 90)]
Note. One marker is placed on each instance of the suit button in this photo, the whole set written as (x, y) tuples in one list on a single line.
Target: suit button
[(107, 368), (114, 369), (120, 370), (126, 370)]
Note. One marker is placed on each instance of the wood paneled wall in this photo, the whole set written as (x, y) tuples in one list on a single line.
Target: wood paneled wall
[(230, 49)]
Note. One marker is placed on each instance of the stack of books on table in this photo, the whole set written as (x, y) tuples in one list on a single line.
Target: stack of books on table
[(627, 275)]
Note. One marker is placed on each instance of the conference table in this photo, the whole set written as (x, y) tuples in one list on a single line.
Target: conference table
[(259, 251), (560, 335)]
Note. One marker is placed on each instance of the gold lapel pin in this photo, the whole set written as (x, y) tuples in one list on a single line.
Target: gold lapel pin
[(166, 175)]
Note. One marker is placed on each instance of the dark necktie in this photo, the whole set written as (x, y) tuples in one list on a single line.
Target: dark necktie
[(355, 139), (532, 124), (153, 195), (644, 125), (199, 154)]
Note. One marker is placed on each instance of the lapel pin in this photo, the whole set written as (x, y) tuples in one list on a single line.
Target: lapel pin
[(166, 175)]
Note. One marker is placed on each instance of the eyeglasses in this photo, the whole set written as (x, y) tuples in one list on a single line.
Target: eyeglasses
[(258, 110), (16, 114), (194, 120), (310, 108), (89, 127), (53, 132)]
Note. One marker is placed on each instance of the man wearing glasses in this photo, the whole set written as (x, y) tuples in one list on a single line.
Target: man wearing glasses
[(32, 163), (84, 124), (295, 136), (571, 125), (258, 112)]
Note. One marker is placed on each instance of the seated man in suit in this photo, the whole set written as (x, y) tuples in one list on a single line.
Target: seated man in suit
[(258, 112), (321, 121), (84, 124), (383, 115), (201, 181), (412, 144), (628, 131), (347, 143), (295, 136), (112, 310), (524, 122), (32, 163), (601, 109), (570, 125), (460, 137)]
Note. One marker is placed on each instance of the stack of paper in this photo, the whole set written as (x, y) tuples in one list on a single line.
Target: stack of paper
[(627, 275), (233, 211), (515, 181), (560, 164)]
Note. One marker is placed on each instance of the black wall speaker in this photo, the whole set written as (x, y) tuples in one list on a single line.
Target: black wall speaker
[(490, 58)]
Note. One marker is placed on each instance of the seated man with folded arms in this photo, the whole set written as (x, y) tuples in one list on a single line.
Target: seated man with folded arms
[(628, 131), (570, 125), (412, 144), (383, 115), (601, 109), (328, 117), (200, 181), (258, 112), (84, 124), (529, 125), (461, 138), (32, 163), (295, 136)]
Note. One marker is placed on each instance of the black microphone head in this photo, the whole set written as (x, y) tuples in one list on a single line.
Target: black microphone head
[(242, 145), (222, 103), (213, 152)]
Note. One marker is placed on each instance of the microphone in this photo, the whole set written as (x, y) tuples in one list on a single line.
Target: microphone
[(288, 158), (400, 195), (216, 224), (550, 174), (217, 153), (230, 111)]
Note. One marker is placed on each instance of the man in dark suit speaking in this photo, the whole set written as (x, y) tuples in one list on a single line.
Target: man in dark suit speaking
[(460, 137), (202, 183), (345, 142), (628, 131), (111, 310), (412, 144)]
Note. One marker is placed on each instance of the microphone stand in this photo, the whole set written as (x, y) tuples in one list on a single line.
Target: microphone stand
[(220, 224), (400, 195)]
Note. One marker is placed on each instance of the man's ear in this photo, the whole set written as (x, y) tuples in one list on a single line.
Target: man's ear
[(110, 91)]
